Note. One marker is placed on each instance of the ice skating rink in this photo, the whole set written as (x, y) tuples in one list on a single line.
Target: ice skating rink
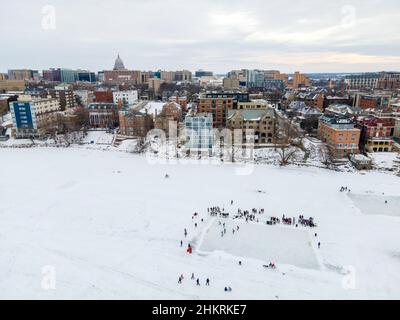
[(278, 244), (377, 205)]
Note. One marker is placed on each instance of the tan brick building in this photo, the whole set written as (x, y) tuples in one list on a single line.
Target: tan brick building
[(170, 112), (261, 121), (134, 123)]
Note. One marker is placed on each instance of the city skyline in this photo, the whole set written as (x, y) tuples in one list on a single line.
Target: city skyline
[(345, 36)]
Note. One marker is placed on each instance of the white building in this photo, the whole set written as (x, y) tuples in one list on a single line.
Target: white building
[(128, 97), (41, 105), (362, 81)]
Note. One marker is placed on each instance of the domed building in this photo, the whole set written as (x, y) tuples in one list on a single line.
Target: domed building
[(119, 64)]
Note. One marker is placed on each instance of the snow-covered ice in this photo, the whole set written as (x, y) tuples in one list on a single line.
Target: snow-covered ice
[(377, 204), (110, 224), (288, 245)]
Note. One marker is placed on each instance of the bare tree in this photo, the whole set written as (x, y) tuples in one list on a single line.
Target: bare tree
[(325, 155), (287, 138)]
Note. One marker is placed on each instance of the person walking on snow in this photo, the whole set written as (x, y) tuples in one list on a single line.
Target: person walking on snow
[(192, 277), (181, 243), (207, 282), (198, 282), (319, 245)]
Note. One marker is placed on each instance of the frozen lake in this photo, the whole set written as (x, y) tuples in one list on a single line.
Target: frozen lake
[(376, 205), (279, 244)]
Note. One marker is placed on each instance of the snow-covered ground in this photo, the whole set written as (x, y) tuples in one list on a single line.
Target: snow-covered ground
[(259, 241), (100, 137), (108, 224), (386, 161)]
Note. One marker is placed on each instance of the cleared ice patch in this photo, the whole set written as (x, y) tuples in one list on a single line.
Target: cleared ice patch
[(278, 244), (377, 205)]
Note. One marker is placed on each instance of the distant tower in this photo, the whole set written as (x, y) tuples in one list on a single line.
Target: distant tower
[(119, 64)]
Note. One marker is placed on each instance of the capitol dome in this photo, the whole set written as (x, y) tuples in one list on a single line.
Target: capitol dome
[(119, 64)]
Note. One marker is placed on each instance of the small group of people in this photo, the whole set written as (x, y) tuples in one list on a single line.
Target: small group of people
[(245, 214), (286, 220), (273, 220), (215, 211), (180, 279), (307, 222), (223, 228), (271, 265), (343, 189)]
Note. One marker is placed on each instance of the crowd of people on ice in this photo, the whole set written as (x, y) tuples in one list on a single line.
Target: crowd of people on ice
[(247, 215), (217, 211)]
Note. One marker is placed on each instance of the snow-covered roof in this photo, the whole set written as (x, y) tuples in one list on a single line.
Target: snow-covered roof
[(152, 107)]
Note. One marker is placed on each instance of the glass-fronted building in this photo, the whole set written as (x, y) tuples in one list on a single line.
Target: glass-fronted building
[(199, 132)]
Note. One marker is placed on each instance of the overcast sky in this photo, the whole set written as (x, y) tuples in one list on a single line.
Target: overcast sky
[(218, 35)]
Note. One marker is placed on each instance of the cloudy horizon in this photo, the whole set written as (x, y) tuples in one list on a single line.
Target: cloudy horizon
[(340, 36)]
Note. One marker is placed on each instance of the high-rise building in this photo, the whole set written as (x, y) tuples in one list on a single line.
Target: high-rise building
[(22, 74), (67, 75), (362, 81), (154, 84), (12, 85), (24, 118), (84, 75), (183, 76), (217, 106), (202, 73), (300, 80), (266, 79), (230, 83), (389, 81), (65, 95), (52, 74)]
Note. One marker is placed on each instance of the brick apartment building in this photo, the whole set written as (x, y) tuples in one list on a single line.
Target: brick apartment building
[(376, 134), (102, 115), (65, 95), (104, 96), (216, 106), (340, 135)]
